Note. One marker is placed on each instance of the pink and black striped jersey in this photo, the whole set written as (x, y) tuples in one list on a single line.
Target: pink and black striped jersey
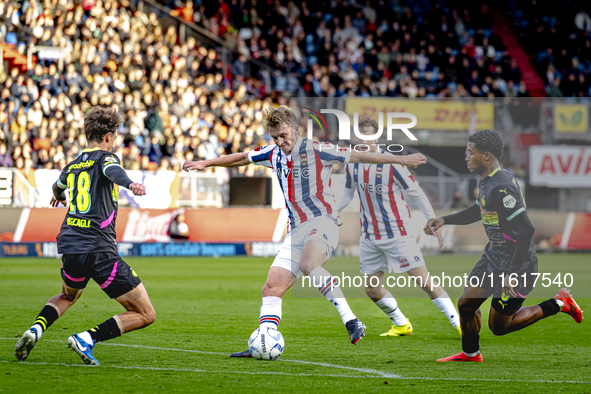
[(384, 213), (304, 177)]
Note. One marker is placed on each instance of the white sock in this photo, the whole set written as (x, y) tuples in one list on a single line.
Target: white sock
[(389, 306), (476, 353), (444, 304), (324, 281), (85, 336), (38, 329), (270, 312), (560, 303)]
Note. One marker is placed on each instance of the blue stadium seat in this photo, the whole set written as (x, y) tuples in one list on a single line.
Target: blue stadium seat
[(11, 38)]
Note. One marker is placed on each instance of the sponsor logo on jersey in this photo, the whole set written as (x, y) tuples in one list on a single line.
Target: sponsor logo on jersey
[(369, 187), (509, 201), (300, 173), (84, 223), (84, 164), (111, 159), (284, 172)]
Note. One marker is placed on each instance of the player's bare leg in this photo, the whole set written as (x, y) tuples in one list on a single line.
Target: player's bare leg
[(314, 256), (279, 280), (55, 307), (140, 314), (471, 323), (501, 324), (438, 296), (387, 303)]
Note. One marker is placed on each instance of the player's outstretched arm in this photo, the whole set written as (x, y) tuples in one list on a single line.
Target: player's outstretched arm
[(467, 216), (118, 176), (412, 161), (233, 160), (59, 197)]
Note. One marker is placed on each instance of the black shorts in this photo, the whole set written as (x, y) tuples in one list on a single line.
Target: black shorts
[(501, 302), (107, 269)]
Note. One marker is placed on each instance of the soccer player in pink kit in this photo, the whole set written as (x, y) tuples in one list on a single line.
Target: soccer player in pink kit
[(303, 169), (385, 244)]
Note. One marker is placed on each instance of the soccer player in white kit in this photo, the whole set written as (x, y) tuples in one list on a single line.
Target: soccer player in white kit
[(303, 169), (385, 245)]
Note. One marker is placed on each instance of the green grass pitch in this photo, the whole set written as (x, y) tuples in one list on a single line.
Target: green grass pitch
[(207, 308)]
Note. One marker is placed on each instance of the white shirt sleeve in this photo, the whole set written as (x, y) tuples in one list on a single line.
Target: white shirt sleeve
[(348, 192), (407, 182), (262, 156)]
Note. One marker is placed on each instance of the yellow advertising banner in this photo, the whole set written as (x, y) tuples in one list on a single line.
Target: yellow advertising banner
[(431, 115), (571, 118)]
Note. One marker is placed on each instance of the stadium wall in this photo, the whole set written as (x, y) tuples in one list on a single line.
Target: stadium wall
[(257, 231)]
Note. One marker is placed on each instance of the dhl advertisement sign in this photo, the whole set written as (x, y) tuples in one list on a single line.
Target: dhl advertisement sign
[(431, 115), (571, 118)]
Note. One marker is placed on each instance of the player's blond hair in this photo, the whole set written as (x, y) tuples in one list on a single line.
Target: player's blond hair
[(275, 117)]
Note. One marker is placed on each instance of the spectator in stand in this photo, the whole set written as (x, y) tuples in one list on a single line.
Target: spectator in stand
[(168, 91), (185, 12)]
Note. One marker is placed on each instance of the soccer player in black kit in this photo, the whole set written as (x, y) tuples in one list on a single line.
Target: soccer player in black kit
[(87, 242), (510, 253)]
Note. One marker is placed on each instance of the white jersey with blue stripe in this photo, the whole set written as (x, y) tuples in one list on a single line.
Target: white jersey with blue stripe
[(304, 177), (384, 213)]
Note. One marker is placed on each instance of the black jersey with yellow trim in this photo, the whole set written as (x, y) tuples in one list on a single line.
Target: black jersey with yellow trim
[(89, 225), (500, 201)]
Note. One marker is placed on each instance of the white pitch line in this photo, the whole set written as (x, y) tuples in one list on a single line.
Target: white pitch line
[(381, 374), (192, 370), (361, 370)]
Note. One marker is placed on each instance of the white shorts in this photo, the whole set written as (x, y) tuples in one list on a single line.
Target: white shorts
[(389, 255), (322, 229)]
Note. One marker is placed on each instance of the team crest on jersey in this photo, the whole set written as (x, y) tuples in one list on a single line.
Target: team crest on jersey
[(85, 157), (379, 172), (304, 159)]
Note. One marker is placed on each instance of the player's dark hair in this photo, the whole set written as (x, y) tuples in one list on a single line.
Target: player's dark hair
[(100, 121), (488, 141), (365, 122)]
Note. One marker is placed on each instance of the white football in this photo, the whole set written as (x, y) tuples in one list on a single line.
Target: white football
[(266, 344)]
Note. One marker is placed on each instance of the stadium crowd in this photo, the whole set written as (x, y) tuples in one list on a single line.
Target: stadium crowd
[(180, 102), (560, 40)]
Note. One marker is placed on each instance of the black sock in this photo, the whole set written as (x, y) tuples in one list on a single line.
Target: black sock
[(470, 344), (549, 307), (46, 317), (105, 331)]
